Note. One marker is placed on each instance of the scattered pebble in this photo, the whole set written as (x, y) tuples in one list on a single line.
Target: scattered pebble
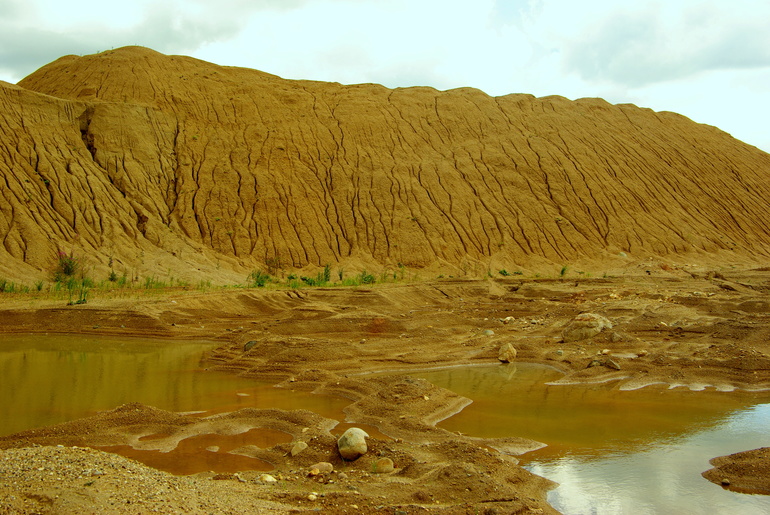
[(383, 466), (298, 448)]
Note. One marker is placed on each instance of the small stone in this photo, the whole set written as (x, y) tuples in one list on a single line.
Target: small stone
[(352, 443), (383, 466), (642, 353), (507, 353), (584, 326), (312, 497), (488, 332), (726, 482), (342, 475), (605, 352), (321, 467), (267, 478), (559, 352), (249, 345), (298, 448), (611, 363)]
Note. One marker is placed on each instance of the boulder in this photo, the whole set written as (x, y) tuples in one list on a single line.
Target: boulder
[(352, 443), (507, 353), (585, 326)]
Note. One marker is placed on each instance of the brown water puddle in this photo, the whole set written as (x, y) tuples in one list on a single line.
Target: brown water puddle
[(614, 451), (207, 452), (49, 379), (515, 400)]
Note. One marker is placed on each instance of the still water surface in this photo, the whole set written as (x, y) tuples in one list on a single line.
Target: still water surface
[(613, 451), (49, 379)]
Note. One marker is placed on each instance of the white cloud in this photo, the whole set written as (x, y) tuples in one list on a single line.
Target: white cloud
[(657, 43), (706, 60)]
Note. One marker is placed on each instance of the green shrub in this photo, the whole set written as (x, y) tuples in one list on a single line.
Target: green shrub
[(310, 281), (367, 278), (79, 288), (257, 279), (67, 265), (7, 286)]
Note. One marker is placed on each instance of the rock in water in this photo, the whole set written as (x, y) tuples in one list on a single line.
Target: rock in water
[(584, 326), (507, 353), (352, 443)]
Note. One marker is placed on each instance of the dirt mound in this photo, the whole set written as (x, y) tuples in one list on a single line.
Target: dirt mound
[(156, 163)]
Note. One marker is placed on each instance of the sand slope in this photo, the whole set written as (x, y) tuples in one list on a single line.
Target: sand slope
[(171, 163)]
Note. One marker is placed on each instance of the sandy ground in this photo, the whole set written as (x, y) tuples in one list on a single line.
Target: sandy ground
[(671, 325)]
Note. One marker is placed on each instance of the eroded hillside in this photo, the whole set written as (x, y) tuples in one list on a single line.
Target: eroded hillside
[(158, 163)]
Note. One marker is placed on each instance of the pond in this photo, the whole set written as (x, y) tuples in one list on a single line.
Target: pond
[(614, 451), (49, 379)]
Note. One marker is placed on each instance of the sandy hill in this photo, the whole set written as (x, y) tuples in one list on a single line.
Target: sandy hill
[(167, 164)]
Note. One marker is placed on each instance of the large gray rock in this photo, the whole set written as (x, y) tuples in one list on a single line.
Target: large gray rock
[(585, 326), (352, 443)]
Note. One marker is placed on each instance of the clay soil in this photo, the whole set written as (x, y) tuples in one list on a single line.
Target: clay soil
[(672, 325)]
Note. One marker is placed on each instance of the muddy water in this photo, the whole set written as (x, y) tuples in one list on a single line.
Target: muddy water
[(49, 379), (615, 451)]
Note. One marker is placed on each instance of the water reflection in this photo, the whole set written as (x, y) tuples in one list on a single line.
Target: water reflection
[(50, 379), (615, 451)]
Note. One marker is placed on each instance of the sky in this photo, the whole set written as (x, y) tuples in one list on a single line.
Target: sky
[(707, 60)]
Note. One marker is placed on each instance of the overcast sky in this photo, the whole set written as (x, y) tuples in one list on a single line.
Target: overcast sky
[(708, 60)]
